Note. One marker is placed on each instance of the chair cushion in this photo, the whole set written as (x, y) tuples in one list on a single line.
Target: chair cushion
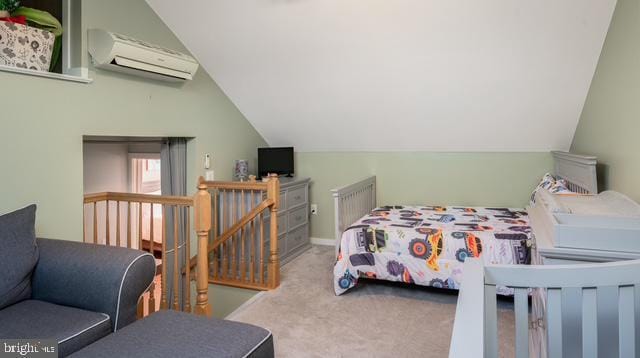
[(18, 255), (73, 328), (177, 334)]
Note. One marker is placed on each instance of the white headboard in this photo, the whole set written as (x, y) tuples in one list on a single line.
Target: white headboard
[(578, 170)]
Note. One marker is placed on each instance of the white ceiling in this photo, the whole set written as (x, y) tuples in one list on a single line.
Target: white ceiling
[(377, 75)]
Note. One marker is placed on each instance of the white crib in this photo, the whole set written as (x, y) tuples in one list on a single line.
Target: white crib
[(475, 327)]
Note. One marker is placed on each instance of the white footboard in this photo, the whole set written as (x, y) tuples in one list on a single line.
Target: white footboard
[(351, 202)]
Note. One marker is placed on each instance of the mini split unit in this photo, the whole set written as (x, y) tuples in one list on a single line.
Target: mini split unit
[(115, 52)]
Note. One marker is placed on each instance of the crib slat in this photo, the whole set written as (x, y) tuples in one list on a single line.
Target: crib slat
[(589, 323), (554, 322), (626, 321), (522, 322), (490, 322)]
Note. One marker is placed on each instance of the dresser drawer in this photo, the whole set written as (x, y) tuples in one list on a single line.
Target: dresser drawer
[(297, 238), (297, 217), (296, 197)]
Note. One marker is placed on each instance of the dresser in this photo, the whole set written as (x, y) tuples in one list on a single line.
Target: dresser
[(293, 218)]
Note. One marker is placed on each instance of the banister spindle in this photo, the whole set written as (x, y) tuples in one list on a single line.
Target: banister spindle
[(243, 267), (176, 258), (152, 288), (163, 275), (273, 190), (118, 223), (129, 224), (95, 223), (107, 238), (262, 253), (203, 225), (252, 248), (187, 260)]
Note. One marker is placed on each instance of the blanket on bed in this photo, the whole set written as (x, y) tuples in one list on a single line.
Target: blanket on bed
[(427, 245)]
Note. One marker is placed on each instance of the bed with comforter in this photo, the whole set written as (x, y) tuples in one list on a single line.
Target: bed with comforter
[(427, 245)]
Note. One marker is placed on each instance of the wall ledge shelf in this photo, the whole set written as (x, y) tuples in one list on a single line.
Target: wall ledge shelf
[(51, 75)]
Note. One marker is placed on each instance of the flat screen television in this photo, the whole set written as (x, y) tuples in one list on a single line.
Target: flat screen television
[(275, 160)]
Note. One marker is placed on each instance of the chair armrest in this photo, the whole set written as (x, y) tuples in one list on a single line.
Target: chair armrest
[(467, 340), (93, 277)]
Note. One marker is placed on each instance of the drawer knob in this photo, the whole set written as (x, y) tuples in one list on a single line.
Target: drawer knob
[(298, 197), (298, 217)]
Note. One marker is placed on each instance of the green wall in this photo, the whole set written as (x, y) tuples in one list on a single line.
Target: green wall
[(495, 179), (610, 121), (43, 122)]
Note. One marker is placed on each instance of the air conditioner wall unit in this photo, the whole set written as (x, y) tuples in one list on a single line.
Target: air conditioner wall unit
[(111, 51)]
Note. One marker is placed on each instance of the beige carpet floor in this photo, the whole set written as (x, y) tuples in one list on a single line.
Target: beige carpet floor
[(374, 319)]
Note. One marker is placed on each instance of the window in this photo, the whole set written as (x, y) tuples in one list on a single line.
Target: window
[(145, 174)]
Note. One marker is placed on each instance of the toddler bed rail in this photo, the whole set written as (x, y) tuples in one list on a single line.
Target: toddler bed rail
[(353, 201)]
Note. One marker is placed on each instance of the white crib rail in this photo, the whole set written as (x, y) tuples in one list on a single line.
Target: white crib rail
[(475, 326)]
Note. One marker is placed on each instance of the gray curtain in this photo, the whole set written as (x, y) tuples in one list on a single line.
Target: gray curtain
[(173, 167)]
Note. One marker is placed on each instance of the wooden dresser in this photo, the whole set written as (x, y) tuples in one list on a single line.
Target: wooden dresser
[(293, 218)]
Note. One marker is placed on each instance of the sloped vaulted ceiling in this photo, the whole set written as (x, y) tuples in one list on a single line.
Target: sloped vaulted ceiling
[(370, 75)]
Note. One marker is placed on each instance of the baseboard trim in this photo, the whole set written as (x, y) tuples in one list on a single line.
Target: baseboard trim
[(323, 241), (245, 305)]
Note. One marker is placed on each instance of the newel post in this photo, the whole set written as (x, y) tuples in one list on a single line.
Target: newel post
[(202, 208), (273, 193)]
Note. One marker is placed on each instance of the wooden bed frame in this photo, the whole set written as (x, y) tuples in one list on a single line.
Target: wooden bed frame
[(353, 201)]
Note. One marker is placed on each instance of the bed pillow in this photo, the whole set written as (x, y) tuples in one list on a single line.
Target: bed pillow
[(18, 255), (546, 182), (553, 185), (559, 187)]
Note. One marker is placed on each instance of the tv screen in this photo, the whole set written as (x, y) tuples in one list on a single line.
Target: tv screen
[(275, 160)]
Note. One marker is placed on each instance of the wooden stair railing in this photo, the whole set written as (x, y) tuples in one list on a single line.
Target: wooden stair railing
[(237, 243), (135, 225)]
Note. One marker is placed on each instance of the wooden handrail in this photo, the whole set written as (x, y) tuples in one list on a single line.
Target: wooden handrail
[(139, 198), (235, 185), (231, 246)]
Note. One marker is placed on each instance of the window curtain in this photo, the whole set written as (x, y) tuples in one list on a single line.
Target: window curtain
[(173, 171)]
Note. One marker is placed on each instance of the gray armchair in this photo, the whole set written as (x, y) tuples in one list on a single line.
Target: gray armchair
[(79, 293)]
